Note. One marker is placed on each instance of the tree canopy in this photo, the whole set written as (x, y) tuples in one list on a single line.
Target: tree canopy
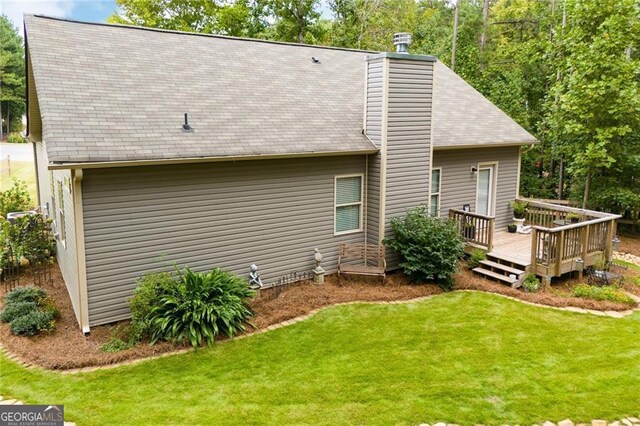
[(12, 78)]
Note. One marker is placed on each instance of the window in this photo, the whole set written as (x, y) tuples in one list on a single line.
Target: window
[(348, 204), (61, 224), (435, 192)]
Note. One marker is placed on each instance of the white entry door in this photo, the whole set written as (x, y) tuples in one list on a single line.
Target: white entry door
[(485, 190)]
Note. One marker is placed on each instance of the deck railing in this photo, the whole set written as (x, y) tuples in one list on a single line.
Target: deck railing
[(476, 229), (557, 244)]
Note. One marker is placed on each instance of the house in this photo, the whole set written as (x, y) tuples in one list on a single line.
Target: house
[(155, 147)]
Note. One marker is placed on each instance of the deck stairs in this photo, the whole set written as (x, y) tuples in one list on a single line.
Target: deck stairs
[(502, 268)]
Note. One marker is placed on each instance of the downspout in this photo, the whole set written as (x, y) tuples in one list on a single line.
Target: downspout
[(78, 216)]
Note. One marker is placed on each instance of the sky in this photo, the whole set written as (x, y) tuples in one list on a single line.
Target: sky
[(82, 10)]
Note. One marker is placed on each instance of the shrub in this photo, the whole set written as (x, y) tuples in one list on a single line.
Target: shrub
[(115, 344), (17, 309), (16, 138), (33, 323), (475, 257), (15, 199), (200, 307), (531, 283), (430, 247), (25, 294), (149, 290), (602, 293), (29, 311)]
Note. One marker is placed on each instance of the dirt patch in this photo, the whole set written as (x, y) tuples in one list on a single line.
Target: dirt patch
[(559, 294), (630, 243), (68, 348)]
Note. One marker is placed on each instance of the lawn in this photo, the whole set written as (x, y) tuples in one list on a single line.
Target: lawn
[(460, 357), (21, 170)]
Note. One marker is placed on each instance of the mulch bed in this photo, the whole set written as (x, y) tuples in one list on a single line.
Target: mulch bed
[(630, 243), (68, 348)]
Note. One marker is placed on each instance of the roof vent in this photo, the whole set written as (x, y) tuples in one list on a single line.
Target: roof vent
[(315, 60), (402, 42), (186, 127)]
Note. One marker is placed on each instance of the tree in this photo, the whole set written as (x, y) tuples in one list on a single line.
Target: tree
[(296, 20), (12, 80), (236, 18), (594, 108)]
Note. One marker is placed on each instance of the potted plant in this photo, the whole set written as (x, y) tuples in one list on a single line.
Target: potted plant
[(519, 208), (512, 228), (573, 217)]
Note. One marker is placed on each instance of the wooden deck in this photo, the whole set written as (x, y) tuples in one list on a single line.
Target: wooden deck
[(512, 246)]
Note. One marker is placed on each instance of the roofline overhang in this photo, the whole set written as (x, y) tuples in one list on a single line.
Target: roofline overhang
[(194, 160), (486, 145)]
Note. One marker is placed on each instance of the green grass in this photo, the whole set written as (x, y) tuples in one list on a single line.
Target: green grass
[(22, 170), (461, 357), (629, 265)]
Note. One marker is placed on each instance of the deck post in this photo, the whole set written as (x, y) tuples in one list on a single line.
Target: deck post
[(559, 253), (608, 252), (534, 249), (492, 225), (584, 245)]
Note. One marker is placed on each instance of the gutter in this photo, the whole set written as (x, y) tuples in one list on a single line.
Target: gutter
[(192, 160)]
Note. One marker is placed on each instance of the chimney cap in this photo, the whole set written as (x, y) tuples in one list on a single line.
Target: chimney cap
[(402, 42)]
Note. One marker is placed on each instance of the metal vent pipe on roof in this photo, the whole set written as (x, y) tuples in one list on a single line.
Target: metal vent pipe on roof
[(402, 42)]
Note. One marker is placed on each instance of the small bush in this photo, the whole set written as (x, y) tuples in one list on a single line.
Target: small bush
[(531, 283), (430, 247), (149, 290), (25, 294), (16, 138), (17, 309), (29, 311), (200, 307), (15, 199), (33, 323), (115, 344), (602, 293), (475, 257)]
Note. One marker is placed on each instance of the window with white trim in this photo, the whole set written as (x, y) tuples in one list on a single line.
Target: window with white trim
[(348, 204), (435, 192), (62, 229)]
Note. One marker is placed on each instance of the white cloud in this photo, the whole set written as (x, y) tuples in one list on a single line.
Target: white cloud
[(15, 9)]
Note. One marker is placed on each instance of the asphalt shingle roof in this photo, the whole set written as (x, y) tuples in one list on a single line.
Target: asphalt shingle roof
[(117, 93), (462, 116)]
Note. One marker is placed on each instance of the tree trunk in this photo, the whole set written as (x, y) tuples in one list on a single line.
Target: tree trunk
[(455, 36), (587, 185), (485, 22), (561, 180)]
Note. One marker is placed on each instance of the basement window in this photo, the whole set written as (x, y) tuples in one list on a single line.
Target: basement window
[(348, 204)]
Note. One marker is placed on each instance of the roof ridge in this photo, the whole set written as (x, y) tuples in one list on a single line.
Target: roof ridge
[(192, 33)]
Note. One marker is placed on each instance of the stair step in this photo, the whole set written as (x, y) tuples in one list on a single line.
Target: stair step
[(505, 268), (494, 275), (498, 257)]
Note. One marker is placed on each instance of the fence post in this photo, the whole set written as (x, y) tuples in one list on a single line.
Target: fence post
[(585, 247), (492, 224)]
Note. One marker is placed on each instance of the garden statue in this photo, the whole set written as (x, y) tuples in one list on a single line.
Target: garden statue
[(255, 282), (318, 273)]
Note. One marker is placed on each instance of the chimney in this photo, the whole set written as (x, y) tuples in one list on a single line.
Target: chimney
[(402, 42)]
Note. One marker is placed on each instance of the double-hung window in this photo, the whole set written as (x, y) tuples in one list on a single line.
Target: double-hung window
[(348, 204), (435, 192)]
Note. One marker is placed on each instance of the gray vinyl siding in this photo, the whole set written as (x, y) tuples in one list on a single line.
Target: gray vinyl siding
[(408, 139), (373, 200), (66, 253), (374, 100), (269, 212), (459, 184)]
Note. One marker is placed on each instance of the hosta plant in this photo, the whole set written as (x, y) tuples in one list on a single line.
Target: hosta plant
[(202, 306)]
